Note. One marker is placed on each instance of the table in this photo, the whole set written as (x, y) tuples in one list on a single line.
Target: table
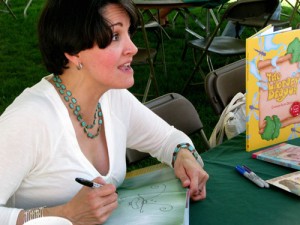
[(154, 4), (234, 200), (183, 4)]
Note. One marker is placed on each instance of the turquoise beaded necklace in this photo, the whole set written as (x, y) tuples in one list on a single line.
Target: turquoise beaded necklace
[(73, 105)]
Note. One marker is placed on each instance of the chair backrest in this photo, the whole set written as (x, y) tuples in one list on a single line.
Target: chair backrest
[(177, 111), (222, 84), (237, 11), (252, 13), (243, 10)]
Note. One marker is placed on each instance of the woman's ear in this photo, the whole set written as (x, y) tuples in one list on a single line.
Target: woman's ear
[(74, 59)]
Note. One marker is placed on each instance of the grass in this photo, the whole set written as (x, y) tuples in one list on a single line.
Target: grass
[(21, 65)]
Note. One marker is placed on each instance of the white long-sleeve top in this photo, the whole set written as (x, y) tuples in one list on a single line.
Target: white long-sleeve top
[(40, 156)]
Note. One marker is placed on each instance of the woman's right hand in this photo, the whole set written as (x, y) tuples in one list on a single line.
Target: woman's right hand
[(91, 205)]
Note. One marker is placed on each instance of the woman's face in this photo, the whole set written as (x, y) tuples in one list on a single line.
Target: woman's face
[(110, 67)]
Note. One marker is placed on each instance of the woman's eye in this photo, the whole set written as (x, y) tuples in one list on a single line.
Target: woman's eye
[(115, 37)]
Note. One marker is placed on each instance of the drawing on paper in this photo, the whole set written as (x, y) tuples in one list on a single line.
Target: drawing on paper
[(155, 197), (141, 201)]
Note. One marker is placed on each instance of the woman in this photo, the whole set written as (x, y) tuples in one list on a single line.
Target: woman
[(78, 121)]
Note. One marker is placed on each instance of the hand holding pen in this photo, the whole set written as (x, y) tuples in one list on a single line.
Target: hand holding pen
[(93, 204), (88, 183)]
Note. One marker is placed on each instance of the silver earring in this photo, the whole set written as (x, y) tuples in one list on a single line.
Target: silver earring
[(79, 66)]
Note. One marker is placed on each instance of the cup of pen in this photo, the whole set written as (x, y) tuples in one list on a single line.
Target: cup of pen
[(49, 220)]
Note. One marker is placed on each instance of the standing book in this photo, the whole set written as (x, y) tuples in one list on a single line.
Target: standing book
[(272, 88), (283, 154)]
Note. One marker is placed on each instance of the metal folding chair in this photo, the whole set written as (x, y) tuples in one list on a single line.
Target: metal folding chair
[(226, 46), (152, 24), (295, 5), (146, 56), (11, 12), (171, 107), (222, 84), (259, 22)]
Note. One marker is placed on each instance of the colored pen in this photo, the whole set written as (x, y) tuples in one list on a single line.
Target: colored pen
[(88, 183), (252, 178), (266, 185), (187, 208)]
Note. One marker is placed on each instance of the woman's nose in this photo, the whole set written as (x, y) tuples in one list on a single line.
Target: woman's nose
[(131, 47)]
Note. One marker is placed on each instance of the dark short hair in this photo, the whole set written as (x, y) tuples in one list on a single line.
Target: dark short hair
[(71, 26)]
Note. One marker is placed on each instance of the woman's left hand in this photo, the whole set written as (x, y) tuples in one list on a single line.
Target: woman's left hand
[(191, 174)]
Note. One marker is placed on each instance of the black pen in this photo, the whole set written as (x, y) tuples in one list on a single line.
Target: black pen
[(88, 183)]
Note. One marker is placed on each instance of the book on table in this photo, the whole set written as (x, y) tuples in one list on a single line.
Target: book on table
[(288, 182), (272, 87), (151, 195), (283, 154)]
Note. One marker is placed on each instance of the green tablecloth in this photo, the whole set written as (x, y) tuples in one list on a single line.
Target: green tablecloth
[(232, 199)]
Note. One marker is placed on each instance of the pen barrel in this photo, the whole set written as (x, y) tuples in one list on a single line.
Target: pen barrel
[(96, 185), (263, 181), (254, 179)]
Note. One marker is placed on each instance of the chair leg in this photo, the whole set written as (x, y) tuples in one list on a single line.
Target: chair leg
[(197, 68), (190, 78), (295, 9), (160, 44), (175, 18), (294, 5), (161, 40), (150, 62), (205, 140), (151, 78), (146, 92), (26, 8), (9, 9), (209, 63), (196, 20), (214, 17), (195, 62), (184, 51)]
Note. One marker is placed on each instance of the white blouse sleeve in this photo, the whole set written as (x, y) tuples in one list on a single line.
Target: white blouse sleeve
[(147, 132), (17, 159)]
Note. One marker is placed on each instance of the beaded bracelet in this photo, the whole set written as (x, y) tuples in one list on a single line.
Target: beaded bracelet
[(31, 214), (188, 147)]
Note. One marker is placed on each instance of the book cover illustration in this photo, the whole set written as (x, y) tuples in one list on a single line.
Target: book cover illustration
[(289, 182), (155, 197), (272, 88), (283, 154)]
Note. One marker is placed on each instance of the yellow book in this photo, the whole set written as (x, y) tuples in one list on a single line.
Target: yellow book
[(272, 88)]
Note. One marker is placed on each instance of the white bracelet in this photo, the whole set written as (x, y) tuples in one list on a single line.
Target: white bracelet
[(31, 214)]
